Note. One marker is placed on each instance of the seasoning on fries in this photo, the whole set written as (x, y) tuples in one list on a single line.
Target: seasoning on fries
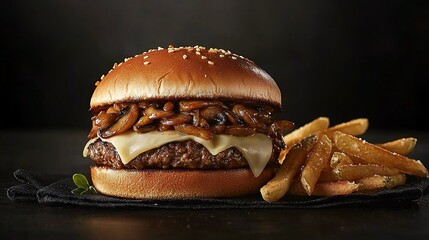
[(375, 154), (326, 188), (379, 182), (279, 185), (328, 161), (297, 135), (401, 146), (353, 172), (316, 160)]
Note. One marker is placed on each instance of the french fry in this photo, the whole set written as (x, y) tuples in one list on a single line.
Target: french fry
[(328, 161), (352, 172), (353, 159), (316, 161), (375, 154), (277, 187), (326, 176), (379, 182), (340, 159), (401, 146), (353, 127), (297, 135), (357, 160), (325, 188), (337, 158)]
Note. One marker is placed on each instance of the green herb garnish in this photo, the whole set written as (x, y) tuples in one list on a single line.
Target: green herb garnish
[(82, 184)]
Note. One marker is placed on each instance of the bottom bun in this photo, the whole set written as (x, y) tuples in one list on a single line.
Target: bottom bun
[(154, 183)]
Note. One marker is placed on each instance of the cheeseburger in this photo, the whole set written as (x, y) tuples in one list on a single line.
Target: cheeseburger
[(184, 122)]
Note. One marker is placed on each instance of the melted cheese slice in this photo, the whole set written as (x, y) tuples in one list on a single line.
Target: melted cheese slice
[(257, 149)]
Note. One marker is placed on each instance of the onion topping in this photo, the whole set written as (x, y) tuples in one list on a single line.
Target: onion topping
[(202, 118)]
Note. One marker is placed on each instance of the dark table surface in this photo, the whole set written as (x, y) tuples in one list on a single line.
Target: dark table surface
[(60, 152)]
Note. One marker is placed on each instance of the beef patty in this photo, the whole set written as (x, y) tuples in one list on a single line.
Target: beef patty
[(186, 154)]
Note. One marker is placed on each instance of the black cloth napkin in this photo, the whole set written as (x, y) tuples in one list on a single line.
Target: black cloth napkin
[(56, 190)]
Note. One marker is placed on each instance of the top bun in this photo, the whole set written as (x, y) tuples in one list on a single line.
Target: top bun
[(186, 72)]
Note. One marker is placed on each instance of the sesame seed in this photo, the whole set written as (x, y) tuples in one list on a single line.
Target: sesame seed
[(146, 63), (185, 56), (211, 63), (212, 50), (102, 76), (234, 57), (160, 48), (190, 49), (203, 57), (115, 65), (198, 53), (221, 55), (170, 46), (145, 57), (96, 83), (170, 50)]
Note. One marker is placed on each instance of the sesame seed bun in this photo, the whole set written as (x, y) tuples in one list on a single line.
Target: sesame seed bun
[(175, 183), (191, 72)]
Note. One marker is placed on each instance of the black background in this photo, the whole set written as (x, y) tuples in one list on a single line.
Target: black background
[(341, 59)]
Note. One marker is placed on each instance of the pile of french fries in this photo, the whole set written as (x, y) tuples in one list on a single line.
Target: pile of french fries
[(327, 161)]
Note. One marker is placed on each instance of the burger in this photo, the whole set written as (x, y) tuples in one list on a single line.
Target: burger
[(186, 122)]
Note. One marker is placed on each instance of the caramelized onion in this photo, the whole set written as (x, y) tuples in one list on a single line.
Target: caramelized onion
[(154, 113), (196, 131), (265, 117), (176, 120), (143, 104), (93, 132), (119, 106), (168, 106), (189, 105), (232, 118), (104, 119), (203, 123), (144, 129), (196, 117), (143, 121), (241, 112), (124, 123), (202, 118), (249, 116), (112, 110), (218, 129), (163, 128), (276, 134), (284, 125)]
